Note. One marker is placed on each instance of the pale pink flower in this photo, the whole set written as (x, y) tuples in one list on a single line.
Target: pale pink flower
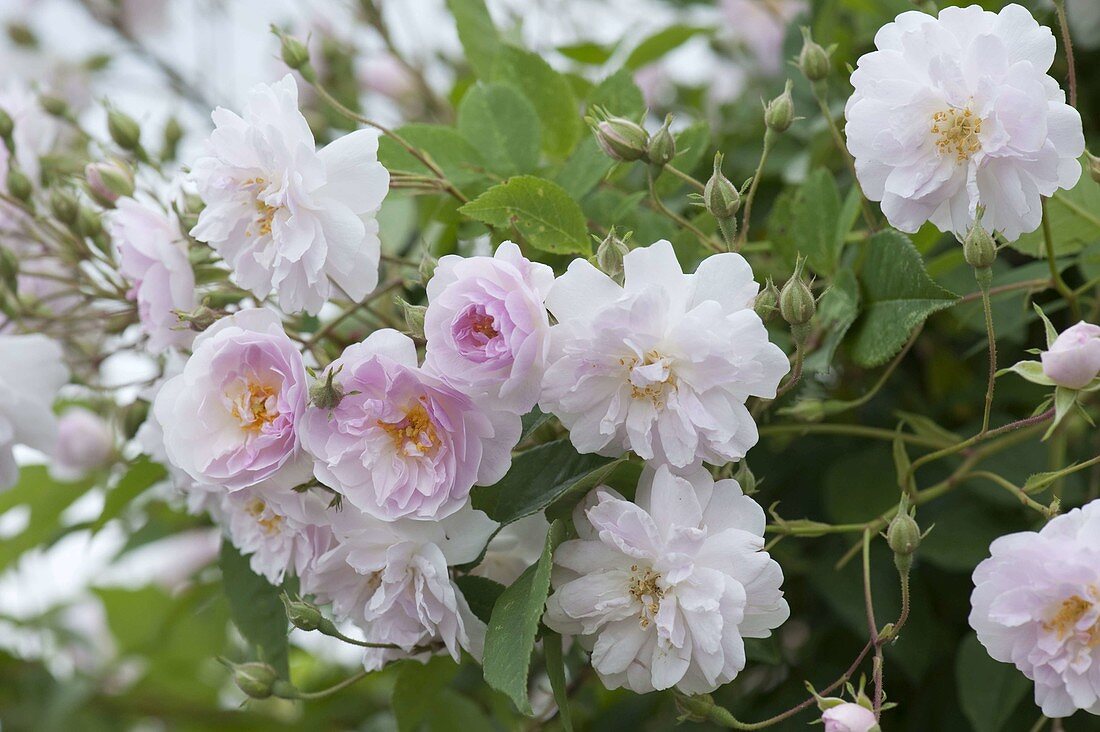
[(849, 717), (1036, 605), (662, 365), (230, 418), (1073, 359), (663, 591), (487, 328), (32, 370), (287, 218), (85, 442), (402, 442)]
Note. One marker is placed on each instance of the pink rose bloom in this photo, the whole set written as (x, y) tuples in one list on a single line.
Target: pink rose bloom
[(1036, 605), (1074, 358), (153, 257), (402, 442), (849, 717), (84, 442), (487, 329), (230, 417)]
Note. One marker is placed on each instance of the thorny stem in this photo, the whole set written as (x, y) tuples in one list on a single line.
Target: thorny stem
[(1035, 284), (769, 141), (796, 372), (1067, 43), (1055, 275), (1012, 488), (992, 356), (855, 430), (872, 625), (680, 220)]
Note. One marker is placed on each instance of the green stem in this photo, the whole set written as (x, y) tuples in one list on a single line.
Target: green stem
[(1035, 284), (307, 695), (796, 372), (1067, 43), (685, 177), (992, 355), (1011, 488), (1055, 275), (677, 218), (872, 624), (769, 141), (854, 430)]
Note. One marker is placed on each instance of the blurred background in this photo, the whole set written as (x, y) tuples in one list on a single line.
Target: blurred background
[(112, 612)]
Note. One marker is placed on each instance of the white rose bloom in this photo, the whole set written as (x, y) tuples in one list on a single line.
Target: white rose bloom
[(391, 579), (662, 365), (32, 370), (286, 217), (956, 112), (1036, 605), (663, 591)]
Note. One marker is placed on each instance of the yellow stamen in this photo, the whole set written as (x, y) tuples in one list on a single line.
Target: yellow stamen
[(959, 132), (1069, 614), (416, 430), (255, 407), (270, 524), (645, 588)]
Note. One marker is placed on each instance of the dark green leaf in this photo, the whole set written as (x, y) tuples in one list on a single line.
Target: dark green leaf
[(532, 421), (988, 691), (541, 210), (555, 669), (897, 297), (539, 476), (480, 38), (510, 638), (501, 122), (418, 687), (256, 608), (481, 593), (584, 169)]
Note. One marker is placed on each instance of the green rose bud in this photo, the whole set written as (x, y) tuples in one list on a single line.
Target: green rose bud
[(662, 146), (124, 130), (904, 536), (326, 393), (779, 112), (813, 60), (619, 138), (767, 301), (796, 300), (610, 253), (19, 185), (64, 206)]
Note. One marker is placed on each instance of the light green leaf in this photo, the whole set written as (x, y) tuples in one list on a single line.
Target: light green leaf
[(141, 476), (548, 92), (46, 499), (510, 638), (988, 691), (587, 52), (500, 122), (837, 310), (541, 210), (1029, 370), (898, 295), (459, 160), (479, 37), (256, 608), (817, 221), (1064, 400), (584, 169), (1074, 221), (619, 95), (538, 477), (661, 43)]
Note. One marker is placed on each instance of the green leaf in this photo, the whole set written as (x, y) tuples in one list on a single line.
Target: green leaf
[(501, 122), (479, 37), (459, 160), (256, 608), (541, 210), (587, 52), (898, 295), (837, 310), (548, 92), (555, 669), (510, 638), (1074, 221), (584, 169), (989, 691), (481, 594), (1030, 370), (532, 421), (141, 476), (419, 688), (763, 650), (45, 499), (619, 95), (538, 477), (661, 43)]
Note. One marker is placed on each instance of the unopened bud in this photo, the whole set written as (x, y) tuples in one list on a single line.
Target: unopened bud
[(64, 206), (662, 146), (610, 253), (19, 185), (427, 267), (796, 300), (620, 138), (720, 196), (325, 393), (55, 106), (745, 478), (779, 112), (767, 301), (903, 536), (108, 181), (979, 249), (813, 60), (303, 615), (1094, 166), (21, 35), (7, 127), (9, 270), (124, 130), (200, 318), (173, 133), (257, 680), (414, 317), (295, 54), (89, 223)]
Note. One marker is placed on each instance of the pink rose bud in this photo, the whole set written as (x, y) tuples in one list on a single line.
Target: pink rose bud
[(108, 181), (1074, 358), (84, 442), (849, 717)]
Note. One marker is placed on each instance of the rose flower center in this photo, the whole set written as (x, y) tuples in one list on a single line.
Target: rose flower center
[(415, 433), (265, 213), (255, 406), (270, 524), (650, 377), (1068, 615), (957, 132), (645, 588)]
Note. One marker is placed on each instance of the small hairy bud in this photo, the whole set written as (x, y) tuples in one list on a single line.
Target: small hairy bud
[(64, 206), (903, 536), (767, 301), (779, 112), (720, 196), (414, 317), (610, 253), (7, 127), (1094, 166), (124, 130), (746, 479), (257, 680), (108, 181), (813, 60), (662, 146), (173, 133), (200, 318), (796, 300), (427, 267), (303, 615), (55, 106), (326, 393), (979, 249), (19, 185), (619, 138)]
